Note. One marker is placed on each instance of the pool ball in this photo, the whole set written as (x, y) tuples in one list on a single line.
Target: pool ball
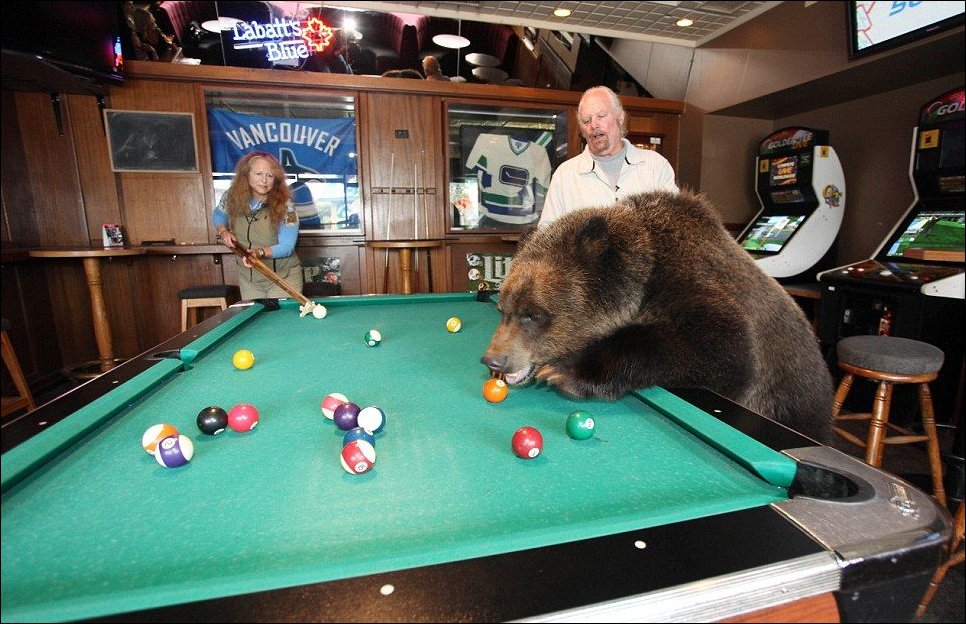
[(373, 338), (154, 434), (372, 418), (319, 311), (175, 450), (243, 359), (243, 417), (346, 416), (358, 456), (580, 425), (358, 433), (332, 401), (454, 324), (527, 442), (212, 420), (495, 390)]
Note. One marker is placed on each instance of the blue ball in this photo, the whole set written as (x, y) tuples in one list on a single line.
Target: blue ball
[(345, 416), (358, 433), (174, 451), (372, 418)]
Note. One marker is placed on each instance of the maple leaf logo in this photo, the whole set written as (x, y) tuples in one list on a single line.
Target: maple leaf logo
[(316, 34)]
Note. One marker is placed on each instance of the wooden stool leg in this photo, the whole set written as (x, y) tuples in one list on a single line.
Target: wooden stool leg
[(16, 373), (843, 391), (877, 425), (932, 442), (955, 558), (184, 315)]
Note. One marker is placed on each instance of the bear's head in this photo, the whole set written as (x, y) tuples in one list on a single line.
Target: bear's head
[(571, 283)]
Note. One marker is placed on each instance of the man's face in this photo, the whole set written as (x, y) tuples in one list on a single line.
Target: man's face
[(600, 125)]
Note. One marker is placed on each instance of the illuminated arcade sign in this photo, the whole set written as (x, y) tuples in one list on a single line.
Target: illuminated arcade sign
[(283, 39)]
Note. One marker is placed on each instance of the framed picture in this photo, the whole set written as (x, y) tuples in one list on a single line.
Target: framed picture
[(151, 141)]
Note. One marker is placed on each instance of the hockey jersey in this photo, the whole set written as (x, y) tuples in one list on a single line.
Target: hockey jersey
[(513, 176)]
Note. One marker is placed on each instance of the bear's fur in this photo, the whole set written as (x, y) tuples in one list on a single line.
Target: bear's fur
[(654, 291)]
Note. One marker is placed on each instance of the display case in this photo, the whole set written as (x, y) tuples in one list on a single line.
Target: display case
[(500, 162), (314, 137)]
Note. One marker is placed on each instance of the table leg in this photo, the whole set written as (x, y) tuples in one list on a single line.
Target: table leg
[(102, 325), (405, 269)]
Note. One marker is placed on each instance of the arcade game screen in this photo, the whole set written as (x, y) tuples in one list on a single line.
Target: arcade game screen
[(930, 229), (783, 180), (770, 233)]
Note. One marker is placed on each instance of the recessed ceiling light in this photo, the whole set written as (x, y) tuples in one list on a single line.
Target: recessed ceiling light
[(684, 22), (562, 12)]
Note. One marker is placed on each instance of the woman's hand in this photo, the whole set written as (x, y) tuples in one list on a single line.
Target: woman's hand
[(227, 239)]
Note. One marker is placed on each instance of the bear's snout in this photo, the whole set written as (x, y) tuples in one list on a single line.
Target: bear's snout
[(496, 362)]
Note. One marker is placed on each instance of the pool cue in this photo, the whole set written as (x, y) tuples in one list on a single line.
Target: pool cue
[(306, 304), (392, 168), (416, 222)]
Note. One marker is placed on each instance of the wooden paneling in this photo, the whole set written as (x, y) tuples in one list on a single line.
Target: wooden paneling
[(98, 189), (52, 165), (160, 206)]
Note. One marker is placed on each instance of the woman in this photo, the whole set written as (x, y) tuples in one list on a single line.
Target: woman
[(257, 211)]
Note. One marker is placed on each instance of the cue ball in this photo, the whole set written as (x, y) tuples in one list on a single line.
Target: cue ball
[(358, 456), (319, 311), (346, 416), (372, 418), (358, 433), (243, 359), (332, 401), (495, 390), (243, 417), (154, 434), (212, 420), (373, 337), (580, 425), (454, 324), (527, 442), (174, 451)]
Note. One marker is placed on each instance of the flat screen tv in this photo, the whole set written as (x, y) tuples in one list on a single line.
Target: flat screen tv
[(80, 37), (875, 25), (771, 233)]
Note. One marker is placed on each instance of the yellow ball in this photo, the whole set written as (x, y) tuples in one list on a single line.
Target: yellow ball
[(454, 324), (243, 359)]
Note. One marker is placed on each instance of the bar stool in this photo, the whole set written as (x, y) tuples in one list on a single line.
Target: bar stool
[(889, 360), (195, 297), (11, 404)]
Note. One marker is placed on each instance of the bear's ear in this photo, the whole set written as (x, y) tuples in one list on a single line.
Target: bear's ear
[(592, 239)]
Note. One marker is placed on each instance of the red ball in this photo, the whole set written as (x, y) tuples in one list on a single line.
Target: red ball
[(243, 417), (527, 442), (358, 456)]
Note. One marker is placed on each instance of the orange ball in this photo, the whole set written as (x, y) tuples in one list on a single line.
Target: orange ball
[(495, 390)]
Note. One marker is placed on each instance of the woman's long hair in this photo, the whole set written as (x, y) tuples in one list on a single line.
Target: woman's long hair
[(238, 194)]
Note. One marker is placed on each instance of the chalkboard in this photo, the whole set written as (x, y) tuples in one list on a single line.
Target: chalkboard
[(151, 141)]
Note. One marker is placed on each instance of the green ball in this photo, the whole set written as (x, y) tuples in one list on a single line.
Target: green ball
[(581, 425), (373, 338)]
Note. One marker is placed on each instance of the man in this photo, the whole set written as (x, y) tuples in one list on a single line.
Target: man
[(609, 168)]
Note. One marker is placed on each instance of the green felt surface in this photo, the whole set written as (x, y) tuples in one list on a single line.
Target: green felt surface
[(101, 528)]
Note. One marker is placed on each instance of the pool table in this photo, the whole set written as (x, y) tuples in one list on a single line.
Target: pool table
[(682, 506)]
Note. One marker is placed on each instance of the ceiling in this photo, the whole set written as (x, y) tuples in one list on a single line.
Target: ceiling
[(624, 19)]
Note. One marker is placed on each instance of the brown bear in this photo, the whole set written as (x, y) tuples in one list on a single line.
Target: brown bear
[(654, 291)]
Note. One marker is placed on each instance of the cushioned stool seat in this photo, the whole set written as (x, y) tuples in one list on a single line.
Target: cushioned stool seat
[(24, 399), (889, 360), (195, 297)]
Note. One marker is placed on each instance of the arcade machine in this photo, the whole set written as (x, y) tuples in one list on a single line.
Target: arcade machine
[(801, 188), (913, 285)]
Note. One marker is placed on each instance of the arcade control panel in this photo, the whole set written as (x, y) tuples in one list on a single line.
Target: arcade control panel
[(899, 274)]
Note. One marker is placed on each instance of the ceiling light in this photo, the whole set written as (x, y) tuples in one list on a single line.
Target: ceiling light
[(562, 12), (684, 22)]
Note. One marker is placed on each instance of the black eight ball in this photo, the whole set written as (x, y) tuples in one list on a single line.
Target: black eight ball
[(212, 420)]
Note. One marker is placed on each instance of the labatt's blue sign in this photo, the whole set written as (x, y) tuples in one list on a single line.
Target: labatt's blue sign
[(283, 39)]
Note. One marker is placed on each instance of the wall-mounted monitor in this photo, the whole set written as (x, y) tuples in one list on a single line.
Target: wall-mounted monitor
[(877, 26)]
